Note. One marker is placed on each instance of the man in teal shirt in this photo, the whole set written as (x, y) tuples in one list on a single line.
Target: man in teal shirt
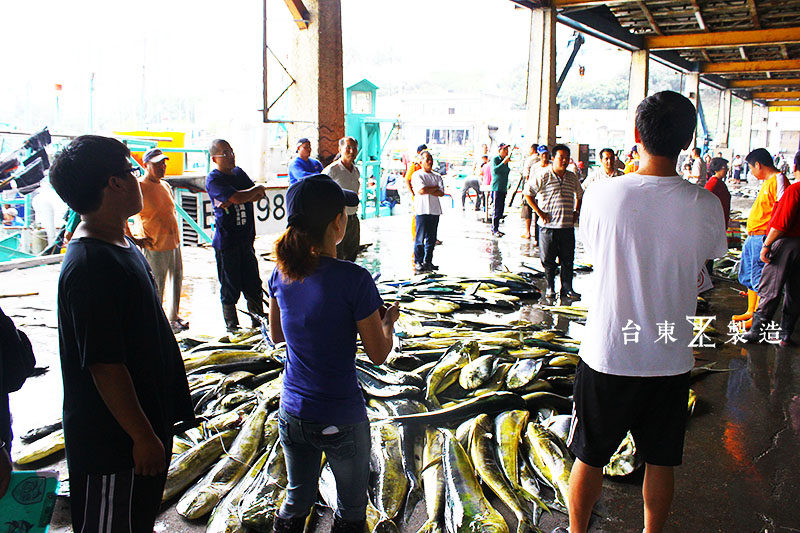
[(500, 172)]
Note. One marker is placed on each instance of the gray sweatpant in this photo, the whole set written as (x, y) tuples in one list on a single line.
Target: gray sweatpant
[(168, 262), (348, 248)]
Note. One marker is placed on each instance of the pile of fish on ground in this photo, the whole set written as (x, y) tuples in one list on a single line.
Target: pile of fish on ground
[(462, 403)]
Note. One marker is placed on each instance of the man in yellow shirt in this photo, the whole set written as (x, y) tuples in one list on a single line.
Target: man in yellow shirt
[(633, 161), (763, 168), (157, 223)]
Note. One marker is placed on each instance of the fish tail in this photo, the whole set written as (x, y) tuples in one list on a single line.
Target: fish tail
[(526, 526), (412, 499), (537, 502), (431, 526)]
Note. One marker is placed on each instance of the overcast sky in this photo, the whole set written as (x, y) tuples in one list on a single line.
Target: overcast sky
[(206, 55)]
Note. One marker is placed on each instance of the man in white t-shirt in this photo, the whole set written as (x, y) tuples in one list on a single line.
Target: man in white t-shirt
[(607, 169), (428, 186), (344, 172), (647, 234), (699, 173)]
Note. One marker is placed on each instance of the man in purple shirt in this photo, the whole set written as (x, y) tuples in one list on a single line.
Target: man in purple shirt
[(232, 194)]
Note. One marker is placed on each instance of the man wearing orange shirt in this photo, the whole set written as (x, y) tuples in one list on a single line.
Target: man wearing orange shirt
[(157, 223), (774, 183)]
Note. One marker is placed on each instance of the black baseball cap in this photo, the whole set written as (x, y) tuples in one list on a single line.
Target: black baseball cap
[(422, 147), (313, 202)]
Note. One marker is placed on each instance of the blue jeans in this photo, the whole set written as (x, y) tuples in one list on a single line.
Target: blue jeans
[(750, 266), (425, 239), (347, 451)]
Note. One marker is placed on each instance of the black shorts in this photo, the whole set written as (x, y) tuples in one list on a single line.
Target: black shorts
[(526, 212), (118, 503), (606, 407)]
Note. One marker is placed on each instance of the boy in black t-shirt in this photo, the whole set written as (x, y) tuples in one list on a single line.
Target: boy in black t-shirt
[(124, 380)]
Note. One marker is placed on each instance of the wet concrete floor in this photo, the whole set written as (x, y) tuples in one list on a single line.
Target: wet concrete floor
[(740, 471)]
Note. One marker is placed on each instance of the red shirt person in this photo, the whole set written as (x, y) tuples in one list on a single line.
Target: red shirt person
[(781, 253), (716, 184)]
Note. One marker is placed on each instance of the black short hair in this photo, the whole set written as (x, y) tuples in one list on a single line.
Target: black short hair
[(81, 171), (696, 151), (559, 148), (609, 150), (797, 162), (716, 164), (760, 155), (666, 122)]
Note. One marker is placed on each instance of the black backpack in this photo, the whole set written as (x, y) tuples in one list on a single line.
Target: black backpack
[(16, 356)]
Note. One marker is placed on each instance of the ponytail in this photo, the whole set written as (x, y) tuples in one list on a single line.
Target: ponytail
[(296, 252)]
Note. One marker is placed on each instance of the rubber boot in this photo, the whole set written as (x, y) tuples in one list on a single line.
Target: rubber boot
[(787, 327), (754, 335), (749, 322), (256, 307), (550, 282), (340, 525), (752, 304), (230, 316), (566, 283), (289, 525)]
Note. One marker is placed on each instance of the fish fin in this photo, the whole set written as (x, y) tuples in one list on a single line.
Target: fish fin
[(533, 499), (435, 462)]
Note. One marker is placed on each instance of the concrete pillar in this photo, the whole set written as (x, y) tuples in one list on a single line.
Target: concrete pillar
[(747, 127), (691, 90), (542, 108), (761, 121), (724, 120), (317, 101), (637, 90)]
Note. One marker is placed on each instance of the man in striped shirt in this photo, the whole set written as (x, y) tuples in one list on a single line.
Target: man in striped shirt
[(555, 196)]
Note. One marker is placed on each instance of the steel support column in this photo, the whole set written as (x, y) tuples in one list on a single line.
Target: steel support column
[(691, 90), (747, 127), (637, 89), (724, 120), (542, 110), (317, 102)]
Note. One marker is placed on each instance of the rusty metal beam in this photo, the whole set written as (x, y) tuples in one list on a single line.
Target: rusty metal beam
[(573, 3), (724, 39), (783, 103), (756, 84), (650, 18), (775, 95), (729, 67), (751, 6), (299, 13)]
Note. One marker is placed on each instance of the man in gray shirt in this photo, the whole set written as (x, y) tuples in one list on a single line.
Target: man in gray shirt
[(344, 172), (559, 192)]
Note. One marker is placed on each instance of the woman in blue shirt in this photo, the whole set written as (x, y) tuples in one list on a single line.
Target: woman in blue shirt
[(319, 305)]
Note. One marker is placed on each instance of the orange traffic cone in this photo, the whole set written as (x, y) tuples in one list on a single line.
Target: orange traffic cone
[(752, 304)]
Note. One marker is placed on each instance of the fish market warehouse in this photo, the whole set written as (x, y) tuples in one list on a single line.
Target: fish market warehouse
[(479, 348)]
